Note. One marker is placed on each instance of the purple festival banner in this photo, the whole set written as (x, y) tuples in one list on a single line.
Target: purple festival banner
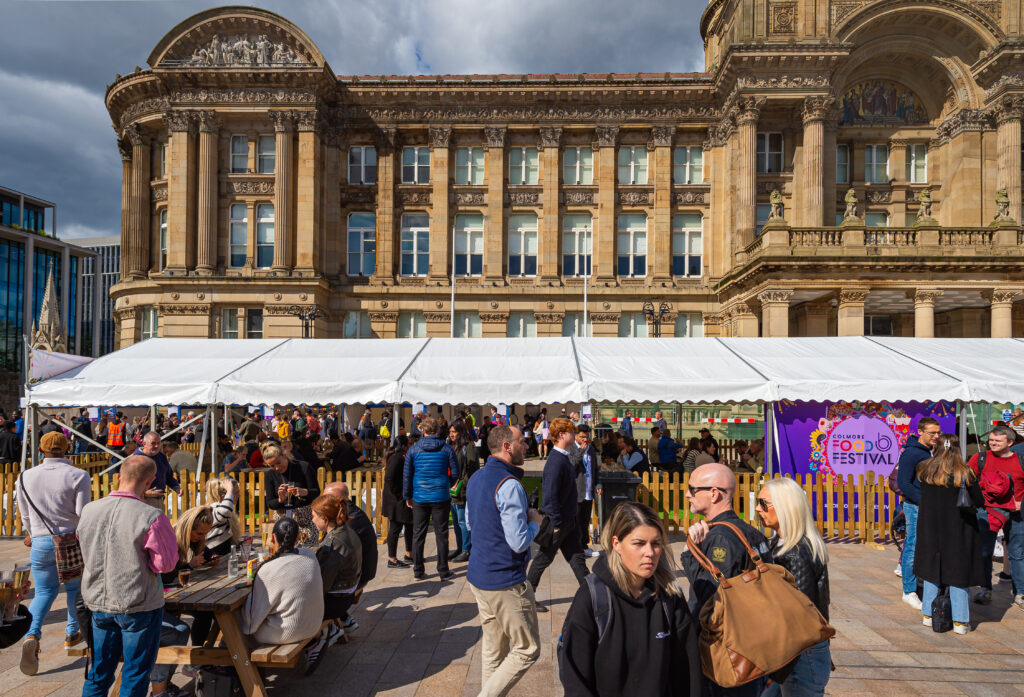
[(844, 438)]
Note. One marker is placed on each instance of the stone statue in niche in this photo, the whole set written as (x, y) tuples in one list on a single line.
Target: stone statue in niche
[(924, 198), (851, 205), (1002, 207), (775, 199)]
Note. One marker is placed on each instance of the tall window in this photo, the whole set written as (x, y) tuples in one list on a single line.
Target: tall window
[(577, 242), (876, 164), (238, 225), (632, 244), (769, 152), (160, 160), (522, 244), (523, 166), (357, 325), (163, 240), (264, 235), (917, 163), (265, 154), (689, 324), (633, 164), (469, 166), (572, 325), (469, 244), (254, 323), (362, 164), (150, 323), (578, 166), (411, 325), (416, 165), (239, 154), (229, 323), (467, 325), (362, 243), (521, 324), (633, 324), (878, 219), (415, 244), (842, 164), (686, 244), (688, 165)]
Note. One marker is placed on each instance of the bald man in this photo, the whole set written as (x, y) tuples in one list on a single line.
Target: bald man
[(363, 528)]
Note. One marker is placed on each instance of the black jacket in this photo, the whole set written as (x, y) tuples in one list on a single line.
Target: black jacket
[(559, 489), (394, 507), (469, 462), (10, 446), (948, 551), (640, 653), (811, 576), (576, 458), (726, 552), (299, 472), (362, 527)]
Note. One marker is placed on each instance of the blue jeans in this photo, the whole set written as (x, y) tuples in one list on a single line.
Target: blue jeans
[(753, 688), (173, 632), (907, 560), (809, 677), (463, 538), (135, 636), (44, 578), (959, 602), (1013, 546)]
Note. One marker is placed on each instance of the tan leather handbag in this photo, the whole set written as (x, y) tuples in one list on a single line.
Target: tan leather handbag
[(756, 622)]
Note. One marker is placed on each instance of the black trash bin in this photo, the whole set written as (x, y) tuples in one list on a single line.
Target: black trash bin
[(618, 485)]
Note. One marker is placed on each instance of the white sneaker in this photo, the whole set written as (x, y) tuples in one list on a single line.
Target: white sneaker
[(898, 570), (961, 628), (591, 553), (927, 621), (1018, 600), (913, 601)]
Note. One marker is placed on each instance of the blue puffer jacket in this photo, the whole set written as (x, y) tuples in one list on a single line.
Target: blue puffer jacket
[(430, 470)]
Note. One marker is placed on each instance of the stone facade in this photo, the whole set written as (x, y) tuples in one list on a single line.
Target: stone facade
[(838, 169)]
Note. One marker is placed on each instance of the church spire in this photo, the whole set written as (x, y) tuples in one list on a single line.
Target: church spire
[(48, 334)]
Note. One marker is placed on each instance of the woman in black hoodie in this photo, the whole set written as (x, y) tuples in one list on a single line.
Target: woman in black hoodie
[(628, 631)]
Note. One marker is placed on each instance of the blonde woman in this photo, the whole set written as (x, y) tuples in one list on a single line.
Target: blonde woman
[(649, 642), (191, 529), (797, 546), (291, 487), (226, 531)]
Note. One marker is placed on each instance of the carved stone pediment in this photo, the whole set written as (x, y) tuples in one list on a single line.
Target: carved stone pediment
[(468, 197), (182, 309), (578, 197), (361, 195), (517, 197), (414, 197), (691, 196), (250, 186), (636, 197)]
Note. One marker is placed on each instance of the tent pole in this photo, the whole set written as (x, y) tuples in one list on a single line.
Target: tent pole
[(35, 435), (152, 417), (962, 413), (213, 438), (202, 443), (770, 440)]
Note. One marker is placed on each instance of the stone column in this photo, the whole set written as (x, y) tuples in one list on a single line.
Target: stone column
[(181, 192), (387, 154), (1008, 144), (308, 197), (898, 160), (548, 244), (746, 180), (440, 224), (330, 263), (125, 147), (775, 312), (604, 232), (494, 226), (1002, 311), (604, 323), (851, 311), (206, 250), (549, 323), (924, 312), (816, 318), (384, 324), (813, 170), (284, 130), (659, 239), (744, 321), (438, 323), (493, 324), (136, 256)]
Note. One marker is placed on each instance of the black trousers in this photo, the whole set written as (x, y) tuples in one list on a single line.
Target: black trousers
[(566, 541), (336, 605), (394, 530), (583, 511), (421, 513)]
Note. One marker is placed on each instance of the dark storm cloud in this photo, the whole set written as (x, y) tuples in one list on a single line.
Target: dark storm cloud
[(57, 143)]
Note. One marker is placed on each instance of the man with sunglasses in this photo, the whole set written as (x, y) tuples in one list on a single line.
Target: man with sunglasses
[(710, 493)]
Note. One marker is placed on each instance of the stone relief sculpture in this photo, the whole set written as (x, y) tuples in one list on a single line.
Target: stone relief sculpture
[(851, 205), (1002, 207), (775, 198), (925, 199), (243, 50)]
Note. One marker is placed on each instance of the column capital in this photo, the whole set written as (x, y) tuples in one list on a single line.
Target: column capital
[(662, 136), (550, 137), (284, 120), (440, 136), (750, 109), (924, 296), (898, 142), (1002, 296), (1008, 108), (387, 139), (125, 147), (817, 108), (308, 120), (495, 136), (136, 136), (179, 121), (853, 296), (209, 121), (605, 137), (775, 297)]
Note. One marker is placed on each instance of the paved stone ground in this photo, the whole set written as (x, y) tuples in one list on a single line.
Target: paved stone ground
[(421, 638)]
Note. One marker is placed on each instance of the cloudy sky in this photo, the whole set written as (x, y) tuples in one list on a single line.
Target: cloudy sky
[(56, 140)]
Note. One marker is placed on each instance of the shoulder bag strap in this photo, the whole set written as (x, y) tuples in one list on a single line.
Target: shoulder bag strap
[(754, 556), (706, 563), (601, 603), (28, 500)]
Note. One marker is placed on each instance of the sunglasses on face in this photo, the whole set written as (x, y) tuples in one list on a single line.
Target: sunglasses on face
[(694, 489), (764, 505)]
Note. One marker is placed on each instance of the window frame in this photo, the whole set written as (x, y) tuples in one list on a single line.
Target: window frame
[(579, 169), (412, 316), (418, 168), (262, 222), (582, 246), (524, 167), (362, 167), (263, 157), (232, 244), (367, 235), (686, 169), (363, 328), (471, 171), (577, 320), (232, 155), (225, 314), (162, 238), (468, 326), (633, 167), (636, 319), (469, 233), (415, 233), (149, 323), (911, 163), (845, 179), (525, 322), (687, 235), (690, 318), (632, 256), (871, 164), (523, 234), (251, 313), (764, 156)]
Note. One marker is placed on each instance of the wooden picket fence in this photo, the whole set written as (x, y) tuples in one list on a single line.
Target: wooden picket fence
[(855, 508)]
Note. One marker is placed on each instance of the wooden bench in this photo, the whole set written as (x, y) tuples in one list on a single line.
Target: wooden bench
[(276, 656)]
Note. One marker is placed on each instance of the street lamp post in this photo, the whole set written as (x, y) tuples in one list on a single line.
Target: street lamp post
[(308, 315), (655, 318)]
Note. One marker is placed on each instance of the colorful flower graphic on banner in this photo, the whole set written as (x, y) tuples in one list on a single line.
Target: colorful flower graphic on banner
[(854, 437)]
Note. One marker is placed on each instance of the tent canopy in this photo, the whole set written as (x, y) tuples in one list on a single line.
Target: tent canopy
[(541, 371)]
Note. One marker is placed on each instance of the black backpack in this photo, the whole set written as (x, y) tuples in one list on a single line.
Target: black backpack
[(942, 612)]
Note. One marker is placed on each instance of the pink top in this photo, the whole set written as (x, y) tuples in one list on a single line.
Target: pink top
[(161, 544)]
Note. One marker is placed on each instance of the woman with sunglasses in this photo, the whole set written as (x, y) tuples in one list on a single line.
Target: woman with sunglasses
[(797, 547)]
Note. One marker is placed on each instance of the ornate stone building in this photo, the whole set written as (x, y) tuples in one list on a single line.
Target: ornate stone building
[(838, 169)]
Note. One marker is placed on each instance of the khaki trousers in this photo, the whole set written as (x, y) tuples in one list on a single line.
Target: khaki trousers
[(511, 636)]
